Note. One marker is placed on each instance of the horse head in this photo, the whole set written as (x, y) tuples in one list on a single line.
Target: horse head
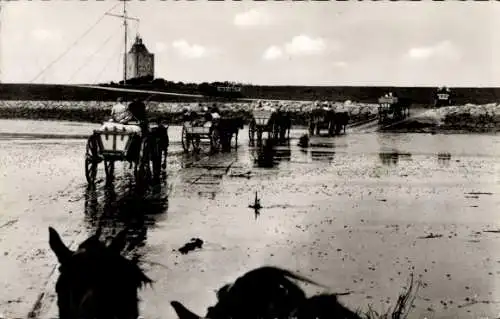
[(96, 281)]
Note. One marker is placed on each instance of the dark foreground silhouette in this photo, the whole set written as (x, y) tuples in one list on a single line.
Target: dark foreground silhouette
[(268, 293), (95, 281)]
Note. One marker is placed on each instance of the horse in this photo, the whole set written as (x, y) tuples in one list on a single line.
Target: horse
[(161, 140), (284, 124), (227, 128), (341, 121), (95, 281), (267, 292), (322, 119), (405, 104)]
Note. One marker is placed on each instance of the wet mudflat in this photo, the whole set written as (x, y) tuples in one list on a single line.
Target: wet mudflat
[(358, 213)]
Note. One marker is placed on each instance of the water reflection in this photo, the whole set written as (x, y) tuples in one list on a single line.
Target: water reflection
[(118, 206), (322, 156), (268, 155), (393, 157), (187, 159), (283, 154), (444, 159)]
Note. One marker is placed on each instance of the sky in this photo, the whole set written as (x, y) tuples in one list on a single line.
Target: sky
[(451, 43)]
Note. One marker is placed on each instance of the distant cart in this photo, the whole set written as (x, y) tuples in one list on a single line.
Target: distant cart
[(262, 121), (217, 132), (392, 108), (194, 132), (442, 97)]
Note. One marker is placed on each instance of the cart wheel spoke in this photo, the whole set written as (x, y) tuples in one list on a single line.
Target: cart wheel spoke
[(91, 159)]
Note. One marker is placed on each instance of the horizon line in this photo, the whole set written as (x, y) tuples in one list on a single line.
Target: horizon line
[(265, 85)]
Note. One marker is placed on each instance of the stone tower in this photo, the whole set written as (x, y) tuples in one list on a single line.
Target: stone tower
[(139, 61)]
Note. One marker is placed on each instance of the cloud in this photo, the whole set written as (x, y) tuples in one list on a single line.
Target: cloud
[(300, 45), (304, 45), (190, 51), (160, 47), (272, 53), (340, 64), (252, 18), (444, 49), (45, 35)]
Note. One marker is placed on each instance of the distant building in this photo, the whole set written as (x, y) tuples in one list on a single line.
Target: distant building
[(140, 62), (229, 87)]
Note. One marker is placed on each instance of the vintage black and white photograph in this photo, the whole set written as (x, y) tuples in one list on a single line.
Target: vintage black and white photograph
[(249, 159)]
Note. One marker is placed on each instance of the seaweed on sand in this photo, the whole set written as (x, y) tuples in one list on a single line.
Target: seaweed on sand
[(402, 308)]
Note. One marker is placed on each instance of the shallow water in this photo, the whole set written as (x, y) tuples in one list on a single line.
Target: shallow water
[(348, 211)]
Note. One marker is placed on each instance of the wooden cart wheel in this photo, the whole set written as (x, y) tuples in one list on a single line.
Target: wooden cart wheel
[(251, 131), (91, 159), (109, 168), (215, 140), (185, 139)]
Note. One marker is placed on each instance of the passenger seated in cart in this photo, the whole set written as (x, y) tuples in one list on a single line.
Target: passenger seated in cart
[(119, 111), (214, 112), (188, 115), (210, 115)]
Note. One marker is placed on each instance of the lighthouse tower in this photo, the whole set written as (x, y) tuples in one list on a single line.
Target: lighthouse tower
[(140, 63)]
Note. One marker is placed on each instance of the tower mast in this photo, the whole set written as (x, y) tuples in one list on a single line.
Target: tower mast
[(125, 24), (0, 41), (125, 43)]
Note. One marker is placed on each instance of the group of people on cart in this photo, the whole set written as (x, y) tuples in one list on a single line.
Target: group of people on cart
[(209, 115), (130, 117)]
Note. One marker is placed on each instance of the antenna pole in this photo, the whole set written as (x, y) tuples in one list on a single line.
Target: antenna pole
[(0, 41), (125, 50), (125, 25)]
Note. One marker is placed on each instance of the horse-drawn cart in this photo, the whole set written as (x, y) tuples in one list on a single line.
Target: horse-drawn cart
[(392, 108), (442, 97), (387, 108), (218, 132), (261, 122), (117, 142), (193, 133)]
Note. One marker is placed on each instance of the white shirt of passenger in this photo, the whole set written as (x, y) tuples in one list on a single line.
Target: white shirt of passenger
[(118, 112)]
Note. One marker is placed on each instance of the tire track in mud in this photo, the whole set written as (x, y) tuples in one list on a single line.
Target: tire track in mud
[(205, 175)]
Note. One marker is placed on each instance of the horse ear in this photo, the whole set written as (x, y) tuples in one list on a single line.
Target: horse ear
[(58, 247), (182, 312), (119, 242)]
